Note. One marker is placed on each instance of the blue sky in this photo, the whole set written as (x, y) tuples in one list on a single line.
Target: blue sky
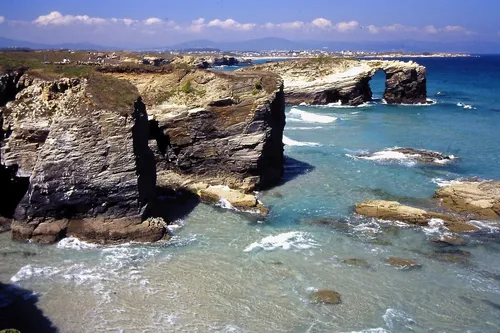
[(166, 22)]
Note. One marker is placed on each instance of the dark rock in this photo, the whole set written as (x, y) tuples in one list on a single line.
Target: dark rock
[(405, 85), (96, 166), (405, 264), (326, 297)]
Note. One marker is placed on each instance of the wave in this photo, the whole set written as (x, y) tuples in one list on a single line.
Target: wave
[(387, 156), (303, 128), (339, 105), (391, 154), (286, 241), (74, 243), (466, 106), (289, 142), (310, 117)]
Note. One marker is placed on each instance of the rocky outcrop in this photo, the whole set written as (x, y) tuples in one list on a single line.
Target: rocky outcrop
[(410, 154), (394, 211), (401, 263), (216, 127), (85, 163), (479, 200), (330, 80), (92, 164)]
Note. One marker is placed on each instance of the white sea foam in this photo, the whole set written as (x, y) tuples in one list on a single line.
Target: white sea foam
[(465, 106), (74, 244), (310, 117), (397, 320), (289, 142), (303, 128), (443, 182), (435, 226), (389, 155), (286, 241), (490, 226)]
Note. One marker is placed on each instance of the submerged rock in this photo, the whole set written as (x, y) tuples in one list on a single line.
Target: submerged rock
[(357, 262), (478, 199), (401, 263), (451, 256), (447, 240), (326, 297)]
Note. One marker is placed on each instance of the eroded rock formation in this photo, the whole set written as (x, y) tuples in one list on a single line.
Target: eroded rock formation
[(319, 81), (394, 211), (479, 200), (95, 167), (216, 127)]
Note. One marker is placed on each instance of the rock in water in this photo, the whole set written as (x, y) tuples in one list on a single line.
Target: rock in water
[(357, 262), (327, 80), (417, 155), (401, 263), (326, 297), (394, 211), (478, 199)]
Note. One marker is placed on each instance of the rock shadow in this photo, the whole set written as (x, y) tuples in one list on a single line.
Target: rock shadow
[(18, 311), (294, 168), (171, 204), (144, 157)]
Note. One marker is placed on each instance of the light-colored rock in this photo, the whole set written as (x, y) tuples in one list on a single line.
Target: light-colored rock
[(478, 199), (394, 211), (326, 80)]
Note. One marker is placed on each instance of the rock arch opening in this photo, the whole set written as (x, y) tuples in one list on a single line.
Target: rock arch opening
[(377, 85)]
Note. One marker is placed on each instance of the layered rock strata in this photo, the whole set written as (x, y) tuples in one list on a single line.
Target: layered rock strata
[(479, 200), (320, 81), (95, 168)]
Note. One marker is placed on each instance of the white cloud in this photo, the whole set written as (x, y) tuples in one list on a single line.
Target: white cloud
[(125, 21), (199, 21), (2, 19), (321, 23), (56, 18), (152, 20), (373, 29), (346, 26), (291, 25), (231, 24), (457, 29), (430, 29)]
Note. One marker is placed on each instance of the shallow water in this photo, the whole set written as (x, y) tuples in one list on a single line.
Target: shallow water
[(227, 272)]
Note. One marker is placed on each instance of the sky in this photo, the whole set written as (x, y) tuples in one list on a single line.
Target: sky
[(147, 23)]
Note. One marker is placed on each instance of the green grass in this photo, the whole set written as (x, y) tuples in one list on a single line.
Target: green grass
[(186, 88)]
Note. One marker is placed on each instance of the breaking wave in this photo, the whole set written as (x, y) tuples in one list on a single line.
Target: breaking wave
[(285, 241)]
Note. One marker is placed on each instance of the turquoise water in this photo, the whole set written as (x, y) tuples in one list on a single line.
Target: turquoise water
[(228, 272)]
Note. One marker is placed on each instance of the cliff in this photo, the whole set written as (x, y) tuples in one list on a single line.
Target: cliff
[(95, 161), (326, 80)]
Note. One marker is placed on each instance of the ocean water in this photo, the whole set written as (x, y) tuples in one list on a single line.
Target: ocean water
[(225, 271)]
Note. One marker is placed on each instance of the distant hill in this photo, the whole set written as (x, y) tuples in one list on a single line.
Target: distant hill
[(11, 43), (274, 43)]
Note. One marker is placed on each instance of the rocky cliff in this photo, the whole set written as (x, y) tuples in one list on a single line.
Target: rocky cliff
[(95, 162), (326, 80), (219, 128)]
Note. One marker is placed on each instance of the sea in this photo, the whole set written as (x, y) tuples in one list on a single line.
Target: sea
[(227, 271)]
